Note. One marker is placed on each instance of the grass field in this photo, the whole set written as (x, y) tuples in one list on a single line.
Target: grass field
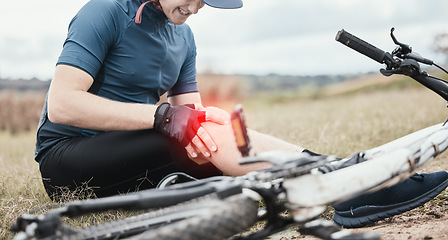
[(338, 125)]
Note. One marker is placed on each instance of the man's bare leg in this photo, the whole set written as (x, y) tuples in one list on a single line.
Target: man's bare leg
[(227, 156)]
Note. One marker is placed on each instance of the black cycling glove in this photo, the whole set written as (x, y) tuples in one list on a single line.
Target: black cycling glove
[(178, 122)]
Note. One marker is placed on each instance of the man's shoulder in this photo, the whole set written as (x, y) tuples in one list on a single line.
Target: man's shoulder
[(127, 6), (185, 31), (102, 3)]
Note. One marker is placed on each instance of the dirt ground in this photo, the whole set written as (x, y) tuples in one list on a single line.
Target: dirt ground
[(424, 223), (431, 225)]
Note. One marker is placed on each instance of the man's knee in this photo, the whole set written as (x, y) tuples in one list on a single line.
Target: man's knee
[(222, 135)]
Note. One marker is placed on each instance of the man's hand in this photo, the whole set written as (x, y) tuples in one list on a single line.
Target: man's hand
[(216, 115), (202, 142), (179, 122), (183, 123)]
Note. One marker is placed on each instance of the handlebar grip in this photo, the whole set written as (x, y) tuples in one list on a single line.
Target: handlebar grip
[(361, 46)]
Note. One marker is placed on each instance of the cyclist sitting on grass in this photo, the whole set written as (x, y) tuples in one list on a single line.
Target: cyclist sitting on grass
[(101, 124)]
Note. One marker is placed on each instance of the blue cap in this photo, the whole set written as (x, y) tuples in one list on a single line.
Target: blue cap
[(228, 4)]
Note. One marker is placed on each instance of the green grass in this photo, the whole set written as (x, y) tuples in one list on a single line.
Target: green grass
[(340, 125)]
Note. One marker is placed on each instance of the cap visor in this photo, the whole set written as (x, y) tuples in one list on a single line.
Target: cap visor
[(227, 4)]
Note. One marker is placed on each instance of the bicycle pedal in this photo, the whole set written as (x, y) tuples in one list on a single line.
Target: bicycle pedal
[(329, 230)]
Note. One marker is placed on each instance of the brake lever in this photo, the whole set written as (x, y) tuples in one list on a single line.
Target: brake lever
[(402, 48), (404, 51)]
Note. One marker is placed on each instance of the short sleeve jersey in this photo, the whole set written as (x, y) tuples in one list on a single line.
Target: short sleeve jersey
[(129, 62)]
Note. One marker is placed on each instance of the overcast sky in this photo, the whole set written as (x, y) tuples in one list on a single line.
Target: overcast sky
[(266, 36)]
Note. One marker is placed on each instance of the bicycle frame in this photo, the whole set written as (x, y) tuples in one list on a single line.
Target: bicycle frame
[(409, 153)]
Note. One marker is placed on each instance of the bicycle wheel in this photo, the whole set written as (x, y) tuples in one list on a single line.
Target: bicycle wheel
[(230, 216), (205, 218)]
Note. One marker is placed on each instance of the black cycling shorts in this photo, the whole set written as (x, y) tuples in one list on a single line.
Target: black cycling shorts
[(116, 162)]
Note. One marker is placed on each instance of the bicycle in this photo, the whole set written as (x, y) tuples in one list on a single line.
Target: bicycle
[(294, 191)]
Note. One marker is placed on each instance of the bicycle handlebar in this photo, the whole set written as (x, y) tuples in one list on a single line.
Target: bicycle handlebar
[(401, 61), (434, 84), (361, 46)]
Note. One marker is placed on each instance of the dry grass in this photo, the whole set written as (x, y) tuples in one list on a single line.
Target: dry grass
[(20, 185), (340, 125)]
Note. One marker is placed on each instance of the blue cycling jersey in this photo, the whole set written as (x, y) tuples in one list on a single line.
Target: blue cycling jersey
[(129, 62)]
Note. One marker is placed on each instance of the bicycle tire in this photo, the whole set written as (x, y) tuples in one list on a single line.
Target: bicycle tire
[(204, 218), (234, 215)]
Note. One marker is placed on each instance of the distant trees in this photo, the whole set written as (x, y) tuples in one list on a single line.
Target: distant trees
[(20, 111), (441, 44)]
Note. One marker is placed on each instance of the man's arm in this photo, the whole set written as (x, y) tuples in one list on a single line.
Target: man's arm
[(69, 103), (186, 98)]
